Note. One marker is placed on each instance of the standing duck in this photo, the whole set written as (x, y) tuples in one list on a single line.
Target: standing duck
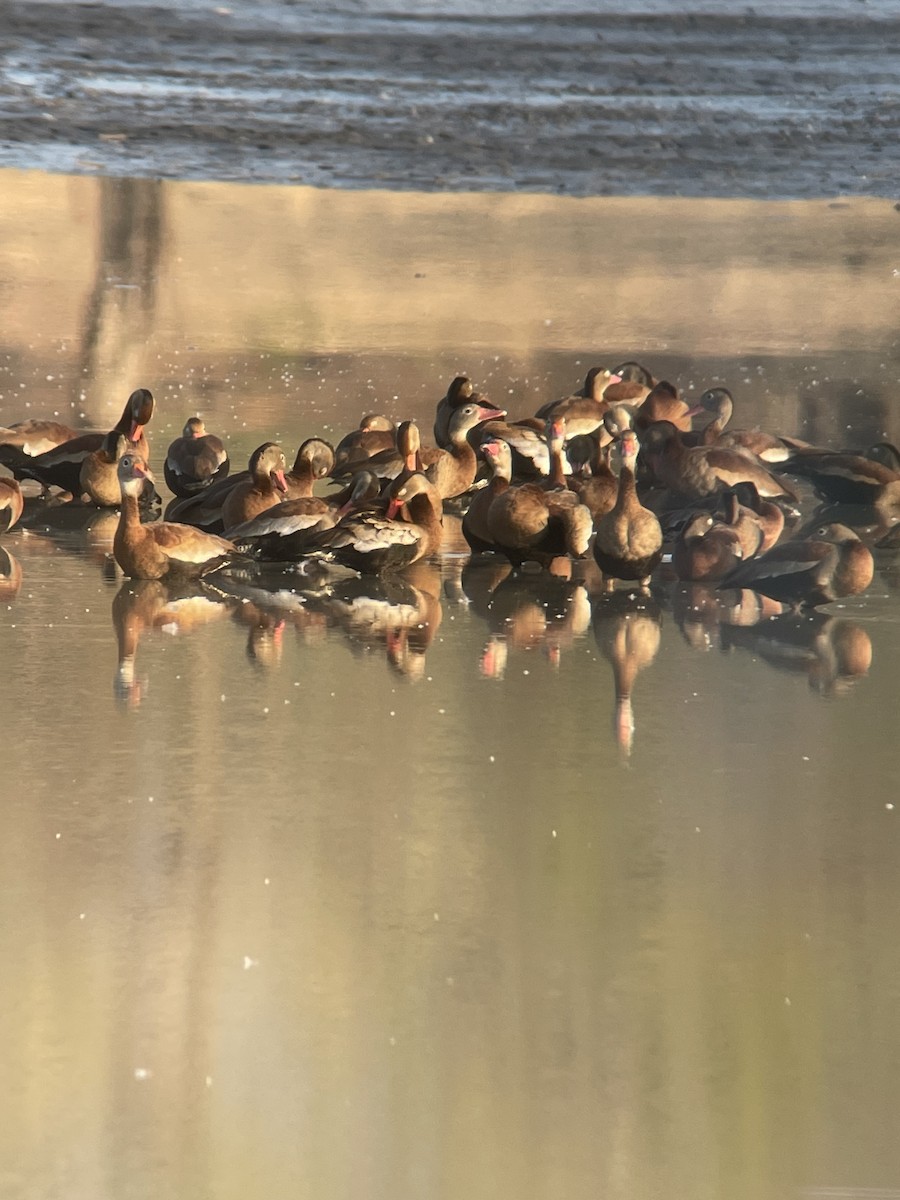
[(11, 503), (61, 467), (460, 392), (195, 460), (628, 543), (452, 472), (264, 487), (475, 523), (162, 548), (528, 523), (831, 564)]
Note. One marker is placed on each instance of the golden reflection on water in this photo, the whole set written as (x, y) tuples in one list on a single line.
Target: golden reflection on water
[(467, 886)]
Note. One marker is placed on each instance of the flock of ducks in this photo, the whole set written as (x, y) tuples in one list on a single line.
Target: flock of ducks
[(623, 483)]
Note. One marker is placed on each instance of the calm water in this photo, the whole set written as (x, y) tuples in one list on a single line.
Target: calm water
[(299, 903)]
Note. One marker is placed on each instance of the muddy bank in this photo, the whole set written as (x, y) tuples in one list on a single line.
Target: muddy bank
[(719, 103)]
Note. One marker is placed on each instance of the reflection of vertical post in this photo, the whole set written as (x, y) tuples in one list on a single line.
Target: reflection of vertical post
[(120, 307)]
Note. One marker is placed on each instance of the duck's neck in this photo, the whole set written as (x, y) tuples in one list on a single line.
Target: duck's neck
[(557, 473), (129, 514), (627, 490)]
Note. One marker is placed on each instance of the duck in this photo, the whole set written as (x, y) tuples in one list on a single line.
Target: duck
[(831, 564), (372, 543), (706, 550), (376, 432), (847, 478), (61, 466), (663, 403), (528, 523), (403, 457), (264, 486), (162, 549), (195, 460), (281, 533), (530, 453), (698, 472), (584, 411), (452, 472), (599, 488), (98, 479), (474, 522), (720, 402), (629, 541), (460, 392), (11, 503), (314, 460), (36, 435)]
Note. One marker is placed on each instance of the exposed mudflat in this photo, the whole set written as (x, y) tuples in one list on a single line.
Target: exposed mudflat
[(795, 100)]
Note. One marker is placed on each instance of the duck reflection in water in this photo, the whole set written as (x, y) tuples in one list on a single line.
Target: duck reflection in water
[(832, 652), (402, 612), (627, 629), (524, 612), (144, 605), (10, 576)]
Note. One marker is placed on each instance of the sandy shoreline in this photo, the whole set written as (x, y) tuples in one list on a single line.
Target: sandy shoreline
[(718, 103)]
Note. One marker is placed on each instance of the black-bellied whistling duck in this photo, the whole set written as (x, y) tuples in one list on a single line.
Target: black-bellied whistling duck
[(264, 487), (11, 503), (720, 402), (36, 436), (372, 543), (628, 543), (530, 454), (161, 548), (403, 457), (806, 572), (847, 478), (453, 471), (663, 403), (474, 523), (748, 513), (528, 523), (376, 432), (635, 372), (460, 392), (315, 460), (598, 490), (697, 472), (98, 478), (61, 467), (284, 531), (583, 412), (706, 550), (195, 460)]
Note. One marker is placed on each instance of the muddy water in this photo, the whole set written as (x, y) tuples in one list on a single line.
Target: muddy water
[(302, 900)]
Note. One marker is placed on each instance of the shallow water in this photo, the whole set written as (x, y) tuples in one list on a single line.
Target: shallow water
[(297, 903)]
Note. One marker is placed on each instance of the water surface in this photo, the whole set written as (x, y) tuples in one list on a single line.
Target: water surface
[(298, 904)]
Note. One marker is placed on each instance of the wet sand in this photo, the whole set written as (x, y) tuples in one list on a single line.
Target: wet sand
[(788, 101)]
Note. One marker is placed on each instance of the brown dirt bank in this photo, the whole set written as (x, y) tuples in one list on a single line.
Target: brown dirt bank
[(719, 103)]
